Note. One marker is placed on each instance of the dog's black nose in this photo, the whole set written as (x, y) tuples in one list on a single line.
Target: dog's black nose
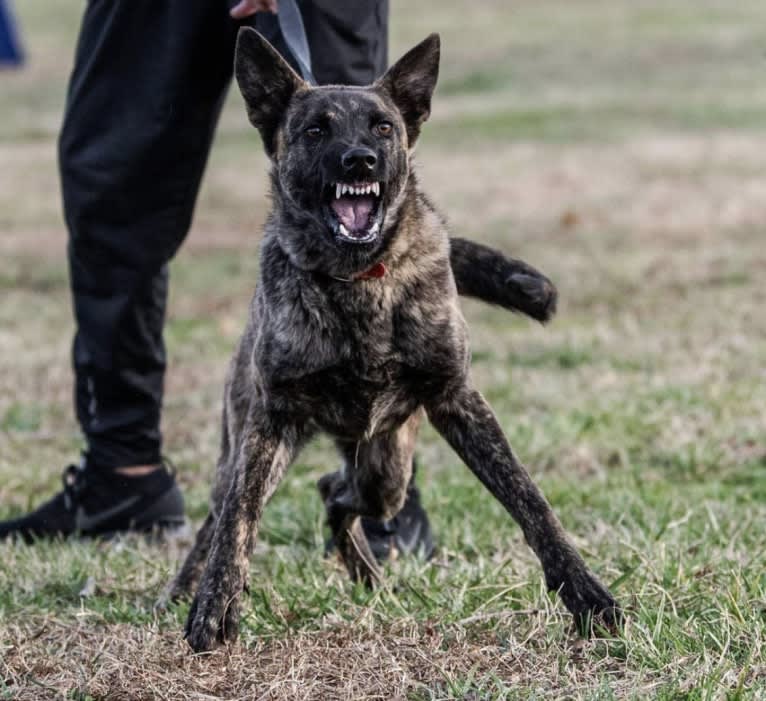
[(359, 157)]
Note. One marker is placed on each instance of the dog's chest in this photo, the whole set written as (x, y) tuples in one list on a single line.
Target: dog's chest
[(357, 393), (354, 371), (355, 405)]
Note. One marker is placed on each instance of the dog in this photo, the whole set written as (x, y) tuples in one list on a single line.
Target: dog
[(355, 330)]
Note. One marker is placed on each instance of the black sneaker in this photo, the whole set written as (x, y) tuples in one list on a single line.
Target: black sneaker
[(100, 503), (409, 532)]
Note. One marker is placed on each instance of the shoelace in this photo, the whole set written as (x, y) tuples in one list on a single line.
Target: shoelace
[(74, 482)]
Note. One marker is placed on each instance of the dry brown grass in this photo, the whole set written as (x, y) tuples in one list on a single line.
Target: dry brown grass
[(128, 663)]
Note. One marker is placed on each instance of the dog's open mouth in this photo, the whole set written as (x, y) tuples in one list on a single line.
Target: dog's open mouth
[(354, 211)]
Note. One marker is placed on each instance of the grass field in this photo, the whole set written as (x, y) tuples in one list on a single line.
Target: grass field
[(620, 146)]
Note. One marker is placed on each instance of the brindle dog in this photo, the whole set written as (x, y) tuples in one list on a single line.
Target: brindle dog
[(355, 330)]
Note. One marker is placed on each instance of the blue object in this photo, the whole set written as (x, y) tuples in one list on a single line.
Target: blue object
[(11, 53)]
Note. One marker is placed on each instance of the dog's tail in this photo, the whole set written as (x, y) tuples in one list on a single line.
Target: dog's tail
[(488, 275)]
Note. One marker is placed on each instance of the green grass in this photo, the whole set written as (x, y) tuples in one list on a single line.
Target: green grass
[(619, 146)]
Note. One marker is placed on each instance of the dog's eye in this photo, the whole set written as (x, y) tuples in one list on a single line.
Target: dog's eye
[(314, 132), (384, 128)]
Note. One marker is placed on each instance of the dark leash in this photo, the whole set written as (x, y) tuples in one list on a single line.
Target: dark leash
[(294, 34)]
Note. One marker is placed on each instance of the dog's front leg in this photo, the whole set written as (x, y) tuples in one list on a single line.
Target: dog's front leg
[(266, 451), (467, 422)]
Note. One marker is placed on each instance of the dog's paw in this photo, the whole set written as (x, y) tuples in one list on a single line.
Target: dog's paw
[(211, 622), (592, 606)]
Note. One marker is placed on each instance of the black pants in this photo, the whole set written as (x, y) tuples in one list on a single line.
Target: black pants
[(144, 98)]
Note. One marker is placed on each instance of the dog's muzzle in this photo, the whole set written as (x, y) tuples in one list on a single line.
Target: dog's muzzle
[(354, 210)]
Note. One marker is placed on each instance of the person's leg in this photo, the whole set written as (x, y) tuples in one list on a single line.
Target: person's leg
[(143, 102), (144, 97), (348, 40)]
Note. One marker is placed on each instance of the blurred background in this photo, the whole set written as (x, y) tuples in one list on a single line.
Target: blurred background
[(615, 145), (619, 146)]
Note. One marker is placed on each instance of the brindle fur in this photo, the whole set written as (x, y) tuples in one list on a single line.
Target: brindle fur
[(361, 360)]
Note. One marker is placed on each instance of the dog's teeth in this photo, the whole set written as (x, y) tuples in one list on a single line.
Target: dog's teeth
[(343, 230), (376, 189), (368, 189), (343, 189), (338, 190), (375, 227)]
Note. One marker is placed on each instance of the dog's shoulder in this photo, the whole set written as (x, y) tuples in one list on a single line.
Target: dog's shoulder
[(419, 252)]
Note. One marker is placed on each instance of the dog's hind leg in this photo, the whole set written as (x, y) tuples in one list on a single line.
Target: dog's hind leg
[(337, 492), (185, 580), (373, 483), (353, 546), (268, 446), (464, 418)]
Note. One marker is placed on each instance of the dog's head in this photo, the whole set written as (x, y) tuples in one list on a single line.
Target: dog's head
[(340, 154)]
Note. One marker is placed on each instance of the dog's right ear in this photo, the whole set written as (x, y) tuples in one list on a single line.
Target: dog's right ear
[(266, 81), (411, 81)]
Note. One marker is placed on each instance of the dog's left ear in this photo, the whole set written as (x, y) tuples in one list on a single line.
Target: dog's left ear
[(411, 81), (267, 83)]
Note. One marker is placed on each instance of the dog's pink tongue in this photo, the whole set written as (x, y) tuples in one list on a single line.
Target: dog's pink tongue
[(353, 212)]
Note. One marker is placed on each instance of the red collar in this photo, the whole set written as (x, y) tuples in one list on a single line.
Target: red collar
[(376, 271)]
